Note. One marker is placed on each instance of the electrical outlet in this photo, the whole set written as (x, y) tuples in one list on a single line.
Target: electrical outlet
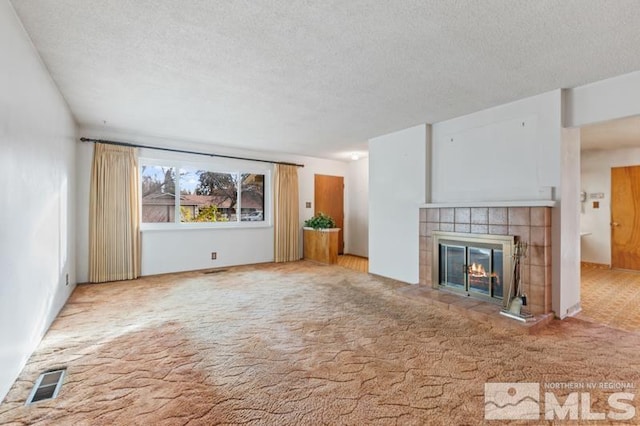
[(214, 255), (66, 279)]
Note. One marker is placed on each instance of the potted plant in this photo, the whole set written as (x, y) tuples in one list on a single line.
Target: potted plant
[(320, 221), (321, 239)]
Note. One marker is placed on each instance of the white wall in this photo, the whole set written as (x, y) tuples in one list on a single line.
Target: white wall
[(357, 204), (37, 191), (174, 250), (491, 156), (397, 176), (566, 296), (596, 177), (604, 100)]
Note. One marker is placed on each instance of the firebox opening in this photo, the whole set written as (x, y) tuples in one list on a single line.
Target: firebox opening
[(475, 265)]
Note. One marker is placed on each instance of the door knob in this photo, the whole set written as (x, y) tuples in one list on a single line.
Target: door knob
[(615, 224)]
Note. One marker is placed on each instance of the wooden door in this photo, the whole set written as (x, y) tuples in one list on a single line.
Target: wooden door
[(625, 217), (329, 199)]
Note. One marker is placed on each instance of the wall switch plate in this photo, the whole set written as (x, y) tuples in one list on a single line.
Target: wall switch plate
[(214, 255), (308, 204)]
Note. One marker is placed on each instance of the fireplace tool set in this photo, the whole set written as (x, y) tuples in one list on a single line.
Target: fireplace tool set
[(516, 298)]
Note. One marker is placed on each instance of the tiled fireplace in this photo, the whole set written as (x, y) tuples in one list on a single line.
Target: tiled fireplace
[(483, 236)]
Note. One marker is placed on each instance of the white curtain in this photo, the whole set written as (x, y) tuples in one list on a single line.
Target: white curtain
[(114, 218), (286, 214)]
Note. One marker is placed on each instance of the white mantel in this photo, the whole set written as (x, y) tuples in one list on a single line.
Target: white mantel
[(521, 203)]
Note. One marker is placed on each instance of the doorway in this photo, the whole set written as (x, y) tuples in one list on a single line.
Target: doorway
[(625, 217), (610, 243), (329, 199)]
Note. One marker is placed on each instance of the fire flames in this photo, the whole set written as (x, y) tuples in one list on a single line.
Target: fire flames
[(477, 270)]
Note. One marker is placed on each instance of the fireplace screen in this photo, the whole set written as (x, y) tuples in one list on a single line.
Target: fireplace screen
[(473, 265)]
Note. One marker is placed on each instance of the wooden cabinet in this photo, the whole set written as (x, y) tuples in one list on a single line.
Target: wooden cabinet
[(321, 245)]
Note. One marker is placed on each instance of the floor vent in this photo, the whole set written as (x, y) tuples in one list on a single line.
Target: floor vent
[(215, 271), (47, 386)]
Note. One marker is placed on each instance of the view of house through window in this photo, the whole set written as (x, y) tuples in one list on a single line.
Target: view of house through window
[(204, 195), (158, 194), (252, 197)]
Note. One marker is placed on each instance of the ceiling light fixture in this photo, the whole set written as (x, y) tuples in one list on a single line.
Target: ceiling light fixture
[(355, 156)]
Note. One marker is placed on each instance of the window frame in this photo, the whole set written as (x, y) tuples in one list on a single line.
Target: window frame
[(215, 168)]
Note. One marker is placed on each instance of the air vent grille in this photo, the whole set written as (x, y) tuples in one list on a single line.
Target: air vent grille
[(47, 386), (215, 271)]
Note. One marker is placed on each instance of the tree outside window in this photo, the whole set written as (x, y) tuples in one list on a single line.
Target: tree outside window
[(204, 195)]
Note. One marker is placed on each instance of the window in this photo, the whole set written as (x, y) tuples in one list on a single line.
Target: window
[(252, 197), (158, 194), (204, 195), (207, 196)]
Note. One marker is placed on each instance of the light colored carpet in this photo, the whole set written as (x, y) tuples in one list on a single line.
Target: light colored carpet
[(296, 343)]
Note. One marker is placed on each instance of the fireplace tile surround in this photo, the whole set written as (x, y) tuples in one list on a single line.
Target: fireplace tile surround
[(531, 224)]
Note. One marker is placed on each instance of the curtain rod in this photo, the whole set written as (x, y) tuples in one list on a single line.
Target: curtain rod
[(182, 151)]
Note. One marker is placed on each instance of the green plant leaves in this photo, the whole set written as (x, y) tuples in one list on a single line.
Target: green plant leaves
[(320, 221)]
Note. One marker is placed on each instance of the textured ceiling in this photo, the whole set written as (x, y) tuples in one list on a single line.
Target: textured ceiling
[(317, 78)]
